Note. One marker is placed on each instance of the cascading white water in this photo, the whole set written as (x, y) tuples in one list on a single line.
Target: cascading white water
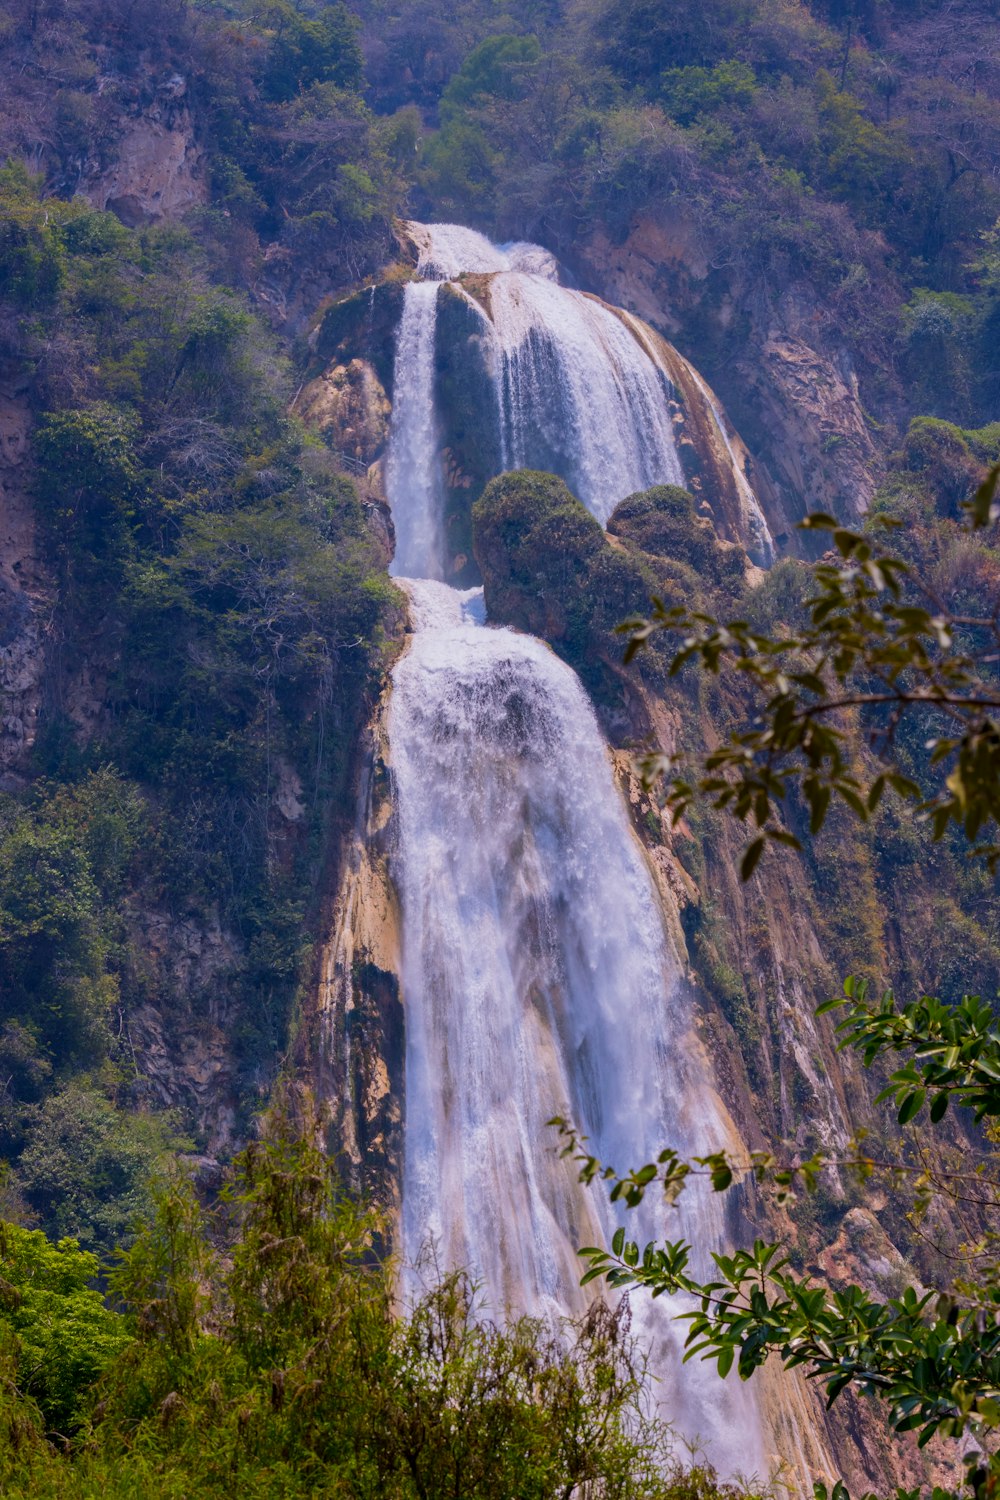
[(536, 979), (577, 394), (413, 467), (759, 540), (537, 976)]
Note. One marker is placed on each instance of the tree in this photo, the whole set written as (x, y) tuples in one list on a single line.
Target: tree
[(258, 1351), (63, 1334), (877, 640)]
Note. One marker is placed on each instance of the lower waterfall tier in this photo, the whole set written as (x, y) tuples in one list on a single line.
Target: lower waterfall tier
[(537, 979)]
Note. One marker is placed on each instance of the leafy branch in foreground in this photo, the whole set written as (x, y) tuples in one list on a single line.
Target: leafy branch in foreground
[(932, 1356), (936, 1363), (881, 643)]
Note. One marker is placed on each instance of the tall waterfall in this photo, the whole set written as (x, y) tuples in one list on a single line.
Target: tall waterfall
[(537, 976), (413, 468)]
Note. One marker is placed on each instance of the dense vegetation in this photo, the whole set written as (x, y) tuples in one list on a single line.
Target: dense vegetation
[(255, 1351), (216, 570), (849, 152)]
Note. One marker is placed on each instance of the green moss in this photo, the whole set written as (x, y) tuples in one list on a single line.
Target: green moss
[(548, 568), (939, 452), (663, 522)]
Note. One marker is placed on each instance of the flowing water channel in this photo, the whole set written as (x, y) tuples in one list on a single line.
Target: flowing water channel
[(537, 974)]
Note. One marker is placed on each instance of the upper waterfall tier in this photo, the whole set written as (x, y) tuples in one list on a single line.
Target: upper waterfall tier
[(449, 250), (532, 374)]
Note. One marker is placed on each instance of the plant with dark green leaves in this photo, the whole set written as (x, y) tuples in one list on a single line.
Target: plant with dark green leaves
[(880, 643), (932, 1357)]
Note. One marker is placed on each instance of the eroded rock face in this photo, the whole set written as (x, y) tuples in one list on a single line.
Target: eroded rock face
[(183, 1044), (155, 174), (354, 1047), (822, 455), (791, 386), (25, 604), (349, 406)]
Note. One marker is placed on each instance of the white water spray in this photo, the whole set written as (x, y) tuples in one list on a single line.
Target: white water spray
[(577, 394), (413, 466), (536, 979), (536, 973)]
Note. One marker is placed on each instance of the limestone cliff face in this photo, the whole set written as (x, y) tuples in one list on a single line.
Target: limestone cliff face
[(352, 1039), (155, 167), (349, 406), (788, 377), (145, 165)]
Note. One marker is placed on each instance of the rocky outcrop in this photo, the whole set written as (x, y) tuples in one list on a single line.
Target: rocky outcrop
[(156, 168), (361, 326), (821, 452), (25, 594), (183, 1044), (352, 1043), (349, 406), (717, 465)]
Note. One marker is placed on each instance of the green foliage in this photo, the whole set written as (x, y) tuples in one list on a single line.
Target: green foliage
[(31, 263), (955, 1047), (309, 49), (88, 475), (687, 93), (258, 1348), (63, 1336), (547, 567), (209, 555), (85, 1168), (662, 521), (872, 643), (499, 68)]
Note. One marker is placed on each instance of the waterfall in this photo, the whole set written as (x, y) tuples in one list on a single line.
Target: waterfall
[(577, 394), (413, 467), (537, 976), (536, 979)]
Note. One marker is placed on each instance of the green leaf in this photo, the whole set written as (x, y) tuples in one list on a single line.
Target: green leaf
[(911, 1105), (939, 1108)]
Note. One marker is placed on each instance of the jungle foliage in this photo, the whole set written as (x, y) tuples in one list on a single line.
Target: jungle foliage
[(211, 558), (253, 1349)]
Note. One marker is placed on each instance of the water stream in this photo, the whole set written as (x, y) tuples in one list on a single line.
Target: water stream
[(537, 974)]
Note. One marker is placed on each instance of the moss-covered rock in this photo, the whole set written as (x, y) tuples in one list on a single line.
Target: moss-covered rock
[(549, 568), (662, 522), (362, 326), (940, 453)]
